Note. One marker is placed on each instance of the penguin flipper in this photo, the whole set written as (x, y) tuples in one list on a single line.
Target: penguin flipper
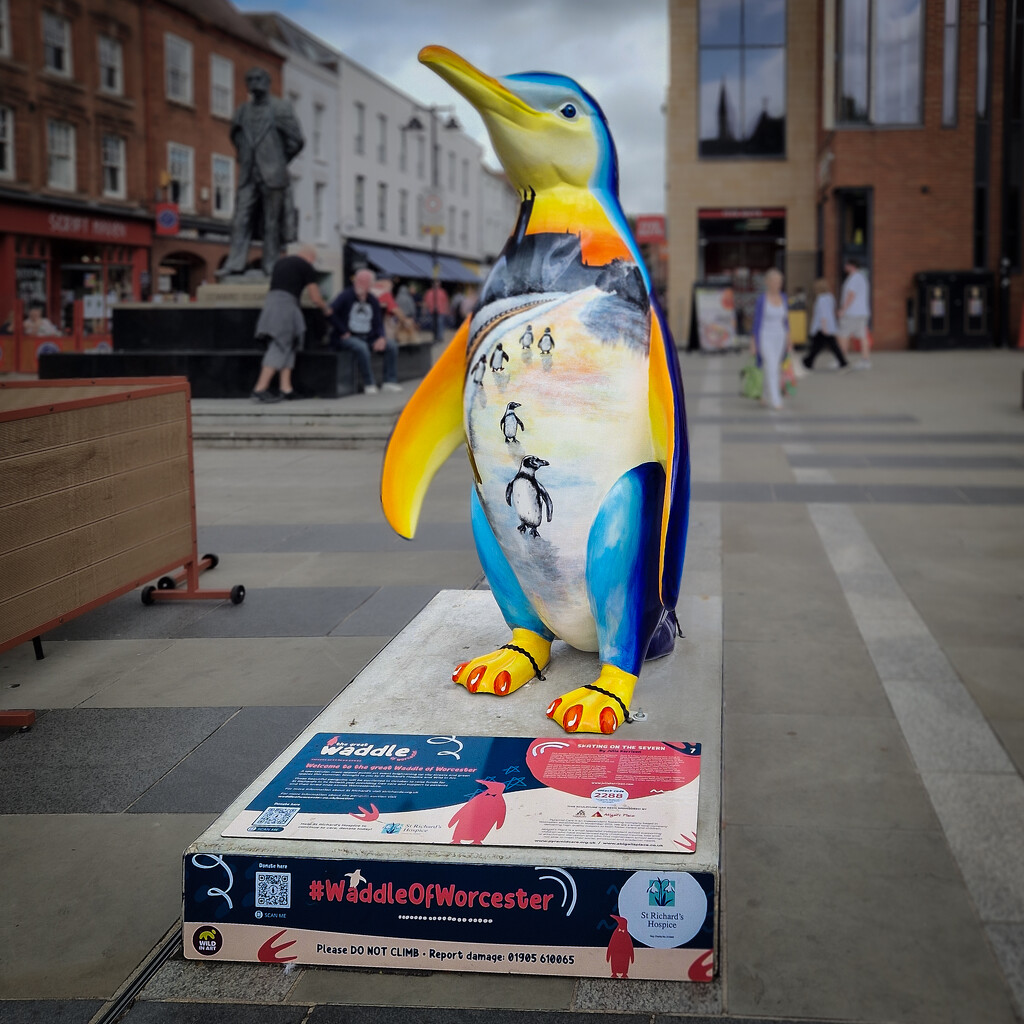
[(429, 429), (668, 430)]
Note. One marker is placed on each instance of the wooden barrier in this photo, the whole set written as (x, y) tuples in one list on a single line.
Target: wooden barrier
[(98, 497)]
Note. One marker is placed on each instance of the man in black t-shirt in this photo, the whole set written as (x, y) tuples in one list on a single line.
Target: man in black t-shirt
[(281, 323), (357, 325)]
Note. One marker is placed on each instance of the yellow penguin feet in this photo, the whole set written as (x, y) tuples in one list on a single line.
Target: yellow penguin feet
[(503, 671), (602, 706)]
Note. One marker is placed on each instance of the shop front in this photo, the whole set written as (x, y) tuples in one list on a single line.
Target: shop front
[(74, 266)]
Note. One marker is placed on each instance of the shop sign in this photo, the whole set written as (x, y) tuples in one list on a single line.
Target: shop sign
[(650, 229), (715, 309), (584, 793), (743, 213), (167, 222), (73, 225)]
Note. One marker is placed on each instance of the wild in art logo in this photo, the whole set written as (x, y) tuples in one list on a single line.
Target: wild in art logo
[(661, 892), (207, 940)]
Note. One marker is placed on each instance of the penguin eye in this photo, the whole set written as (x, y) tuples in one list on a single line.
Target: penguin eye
[(568, 111)]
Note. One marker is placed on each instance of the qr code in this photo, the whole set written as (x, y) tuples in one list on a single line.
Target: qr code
[(273, 889), (275, 816)]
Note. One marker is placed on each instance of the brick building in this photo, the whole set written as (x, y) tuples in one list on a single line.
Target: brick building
[(901, 145), (198, 53), (74, 223)]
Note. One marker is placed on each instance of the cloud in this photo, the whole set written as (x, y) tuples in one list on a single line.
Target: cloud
[(617, 52)]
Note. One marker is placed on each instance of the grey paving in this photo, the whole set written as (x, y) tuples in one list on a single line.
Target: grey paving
[(225, 763), (48, 1011), (374, 536), (839, 460), (98, 761), (881, 437), (212, 1013), (386, 612)]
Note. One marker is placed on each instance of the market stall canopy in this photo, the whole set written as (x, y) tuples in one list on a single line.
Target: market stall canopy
[(409, 263)]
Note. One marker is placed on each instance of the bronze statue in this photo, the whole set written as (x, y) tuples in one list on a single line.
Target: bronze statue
[(266, 135)]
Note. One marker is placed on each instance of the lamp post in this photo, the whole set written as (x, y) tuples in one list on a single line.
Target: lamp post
[(416, 125)]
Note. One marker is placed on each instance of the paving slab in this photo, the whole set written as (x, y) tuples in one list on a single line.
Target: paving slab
[(109, 911), (49, 1011), (213, 1013)]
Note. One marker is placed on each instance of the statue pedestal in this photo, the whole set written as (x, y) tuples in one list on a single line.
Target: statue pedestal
[(483, 908), (234, 291)]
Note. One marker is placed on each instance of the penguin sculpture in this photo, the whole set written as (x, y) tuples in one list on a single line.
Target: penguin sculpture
[(604, 573), (511, 424), (528, 497), (546, 344)]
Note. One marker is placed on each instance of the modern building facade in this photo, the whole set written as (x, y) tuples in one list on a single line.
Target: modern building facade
[(804, 133)]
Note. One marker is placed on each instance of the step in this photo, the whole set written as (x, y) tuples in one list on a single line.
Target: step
[(250, 896)]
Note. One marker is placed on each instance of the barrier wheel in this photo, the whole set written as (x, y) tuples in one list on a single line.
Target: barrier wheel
[(237, 594), (214, 560), (165, 583), (147, 595)]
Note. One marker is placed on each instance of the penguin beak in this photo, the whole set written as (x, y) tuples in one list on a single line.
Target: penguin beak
[(487, 94), (541, 462)]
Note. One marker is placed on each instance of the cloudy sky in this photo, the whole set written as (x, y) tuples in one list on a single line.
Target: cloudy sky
[(616, 49)]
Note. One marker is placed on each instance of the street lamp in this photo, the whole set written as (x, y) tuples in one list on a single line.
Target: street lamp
[(414, 124)]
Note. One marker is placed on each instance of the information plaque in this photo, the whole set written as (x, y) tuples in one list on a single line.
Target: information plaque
[(587, 792)]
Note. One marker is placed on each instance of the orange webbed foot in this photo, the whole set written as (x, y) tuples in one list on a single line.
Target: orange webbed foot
[(503, 671)]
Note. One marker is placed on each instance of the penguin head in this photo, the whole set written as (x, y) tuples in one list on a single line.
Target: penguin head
[(546, 129), (620, 921), (493, 788), (532, 462), (511, 406)]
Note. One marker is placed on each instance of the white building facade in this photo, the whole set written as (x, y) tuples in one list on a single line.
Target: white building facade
[(499, 208)]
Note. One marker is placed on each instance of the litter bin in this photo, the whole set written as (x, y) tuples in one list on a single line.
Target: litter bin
[(954, 309)]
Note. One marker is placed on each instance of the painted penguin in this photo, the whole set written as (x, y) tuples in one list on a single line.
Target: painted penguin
[(511, 423), (526, 338), (499, 357), (620, 948), (527, 496), (546, 343), (607, 576), (475, 819), (479, 370)]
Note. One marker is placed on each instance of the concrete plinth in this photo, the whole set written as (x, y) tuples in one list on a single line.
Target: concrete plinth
[(407, 690)]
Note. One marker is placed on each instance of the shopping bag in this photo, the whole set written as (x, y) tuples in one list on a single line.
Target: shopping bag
[(751, 381), (787, 376)]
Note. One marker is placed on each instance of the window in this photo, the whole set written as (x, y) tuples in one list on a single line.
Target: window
[(56, 44), (318, 131), (60, 149), (360, 201), (113, 166), (6, 142), (382, 139), (223, 168), (984, 47), (950, 38), (451, 222), (742, 78), (5, 28), (421, 156), (382, 206), (451, 172), (222, 86), (360, 139), (464, 233), (465, 177), (403, 211), (403, 151), (879, 64), (181, 169), (111, 66), (178, 66), (319, 191)]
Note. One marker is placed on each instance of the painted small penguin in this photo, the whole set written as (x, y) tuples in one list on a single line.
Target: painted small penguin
[(546, 343), (475, 819), (510, 423), (620, 949), (528, 497), (499, 357), (479, 370), (526, 340)]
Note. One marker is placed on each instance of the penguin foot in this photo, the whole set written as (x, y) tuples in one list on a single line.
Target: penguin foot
[(602, 706), (503, 671)]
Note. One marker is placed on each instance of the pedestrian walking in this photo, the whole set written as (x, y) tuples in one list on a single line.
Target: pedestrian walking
[(771, 335), (281, 325), (854, 310), (823, 326)]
